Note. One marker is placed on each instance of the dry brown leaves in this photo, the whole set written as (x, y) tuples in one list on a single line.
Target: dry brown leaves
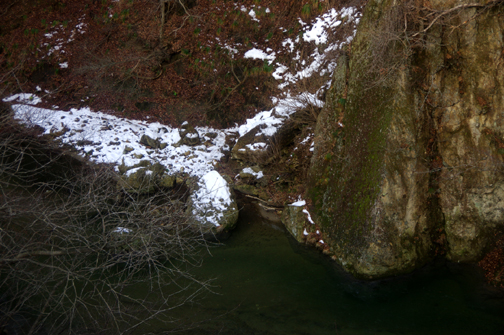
[(120, 64), (493, 264)]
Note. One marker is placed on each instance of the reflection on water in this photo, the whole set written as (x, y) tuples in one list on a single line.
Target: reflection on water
[(268, 284)]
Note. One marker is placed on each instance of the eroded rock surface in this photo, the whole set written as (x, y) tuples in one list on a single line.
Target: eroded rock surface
[(409, 151)]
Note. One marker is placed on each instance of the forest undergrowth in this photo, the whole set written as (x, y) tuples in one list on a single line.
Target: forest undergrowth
[(117, 57)]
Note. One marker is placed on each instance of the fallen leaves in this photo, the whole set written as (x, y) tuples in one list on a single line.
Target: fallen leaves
[(493, 264)]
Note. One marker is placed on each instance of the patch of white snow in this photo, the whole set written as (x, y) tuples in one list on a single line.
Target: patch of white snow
[(122, 230), (212, 198), (308, 216), (298, 203), (258, 175), (24, 98)]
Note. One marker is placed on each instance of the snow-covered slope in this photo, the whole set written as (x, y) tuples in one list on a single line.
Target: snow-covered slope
[(104, 138)]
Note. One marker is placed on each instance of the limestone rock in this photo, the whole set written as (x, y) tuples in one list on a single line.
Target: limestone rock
[(167, 181), (246, 189), (390, 173), (259, 148), (138, 180), (230, 141), (251, 147), (294, 221), (144, 178), (127, 149)]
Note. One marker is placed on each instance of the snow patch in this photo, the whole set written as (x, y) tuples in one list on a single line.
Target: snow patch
[(258, 175), (265, 119), (259, 54), (298, 203), (102, 138), (308, 216), (24, 98), (122, 230), (212, 198)]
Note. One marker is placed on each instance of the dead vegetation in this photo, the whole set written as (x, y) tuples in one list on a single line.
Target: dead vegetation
[(493, 264), (124, 58), (75, 246), (401, 32)]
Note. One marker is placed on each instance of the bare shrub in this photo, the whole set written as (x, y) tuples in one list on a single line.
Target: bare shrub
[(79, 255), (400, 33)]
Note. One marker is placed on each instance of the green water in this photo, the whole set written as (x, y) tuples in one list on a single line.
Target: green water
[(267, 284)]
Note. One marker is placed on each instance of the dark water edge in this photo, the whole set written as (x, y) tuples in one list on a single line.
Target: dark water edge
[(266, 283)]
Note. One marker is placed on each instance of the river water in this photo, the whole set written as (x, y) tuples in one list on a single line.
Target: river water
[(268, 284)]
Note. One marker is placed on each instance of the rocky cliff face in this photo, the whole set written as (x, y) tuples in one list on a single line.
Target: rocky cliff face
[(409, 148)]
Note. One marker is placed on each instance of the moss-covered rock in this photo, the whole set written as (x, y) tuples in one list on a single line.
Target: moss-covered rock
[(367, 197), (145, 177), (153, 143), (138, 180), (407, 146), (246, 189), (294, 221)]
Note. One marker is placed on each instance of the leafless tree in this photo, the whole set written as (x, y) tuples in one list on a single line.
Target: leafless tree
[(78, 253)]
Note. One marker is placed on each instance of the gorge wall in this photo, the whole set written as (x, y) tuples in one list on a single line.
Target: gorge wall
[(408, 160)]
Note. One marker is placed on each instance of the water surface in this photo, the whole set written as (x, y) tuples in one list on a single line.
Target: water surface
[(268, 284)]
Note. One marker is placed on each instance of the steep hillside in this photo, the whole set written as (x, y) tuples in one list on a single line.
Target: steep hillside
[(175, 61)]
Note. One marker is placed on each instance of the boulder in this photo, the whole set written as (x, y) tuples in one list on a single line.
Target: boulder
[(251, 147), (188, 135), (127, 149), (259, 148), (138, 180), (153, 143), (408, 165), (231, 138), (294, 221), (212, 204), (247, 189)]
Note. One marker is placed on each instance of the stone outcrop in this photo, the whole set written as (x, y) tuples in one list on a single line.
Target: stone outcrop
[(211, 203), (251, 147), (256, 146), (188, 135), (294, 221), (408, 159), (144, 177)]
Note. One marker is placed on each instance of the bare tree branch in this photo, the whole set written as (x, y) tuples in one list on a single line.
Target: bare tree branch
[(74, 245)]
